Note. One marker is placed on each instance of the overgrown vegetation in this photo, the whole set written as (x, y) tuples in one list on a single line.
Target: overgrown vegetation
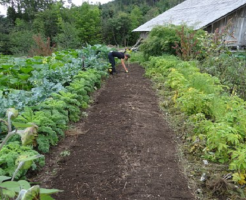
[(161, 39), (76, 26), (205, 108), (209, 49), (174, 40), (212, 122)]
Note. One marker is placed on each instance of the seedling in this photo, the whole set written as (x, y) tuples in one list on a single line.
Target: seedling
[(65, 153)]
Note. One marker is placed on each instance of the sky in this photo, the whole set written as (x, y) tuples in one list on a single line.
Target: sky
[(76, 2)]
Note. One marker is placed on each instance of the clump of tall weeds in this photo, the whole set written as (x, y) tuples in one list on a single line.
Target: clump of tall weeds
[(41, 47)]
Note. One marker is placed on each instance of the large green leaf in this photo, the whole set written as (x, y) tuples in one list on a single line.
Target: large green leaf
[(24, 184), (14, 81), (4, 79), (56, 65), (49, 191), (26, 69), (11, 185), (6, 66), (22, 125), (23, 76), (4, 178), (8, 193)]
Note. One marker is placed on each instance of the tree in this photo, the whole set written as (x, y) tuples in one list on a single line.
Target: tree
[(25, 9), (20, 38), (5, 29), (136, 17), (121, 28), (88, 22), (153, 12), (46, 23), (68, 38)]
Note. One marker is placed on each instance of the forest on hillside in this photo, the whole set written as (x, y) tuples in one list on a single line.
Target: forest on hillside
[(32, 23)]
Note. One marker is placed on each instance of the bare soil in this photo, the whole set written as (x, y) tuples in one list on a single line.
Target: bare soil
[(124, 149)]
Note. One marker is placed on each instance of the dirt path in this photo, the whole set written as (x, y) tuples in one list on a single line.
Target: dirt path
[(123, 150)]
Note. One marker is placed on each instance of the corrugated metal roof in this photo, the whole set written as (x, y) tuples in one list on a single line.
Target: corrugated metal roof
[(194, 13)]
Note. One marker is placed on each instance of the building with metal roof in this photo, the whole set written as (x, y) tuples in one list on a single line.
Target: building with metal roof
[(205, 14)]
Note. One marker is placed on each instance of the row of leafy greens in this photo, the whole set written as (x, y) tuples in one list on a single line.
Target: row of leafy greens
[(28, 81), (49, 107)]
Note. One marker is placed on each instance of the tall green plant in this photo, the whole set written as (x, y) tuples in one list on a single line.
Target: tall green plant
[(87, 21), (188, 48), (161, 40)]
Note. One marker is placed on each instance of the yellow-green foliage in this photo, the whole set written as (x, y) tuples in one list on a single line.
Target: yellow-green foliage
[(10, 153), (159, 66), (218, 119), (176, 80), (137, 57)]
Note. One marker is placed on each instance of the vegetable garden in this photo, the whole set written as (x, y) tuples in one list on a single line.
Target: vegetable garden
[(47, 93), (201, 88)]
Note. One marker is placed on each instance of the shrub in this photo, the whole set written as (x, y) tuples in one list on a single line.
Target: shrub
[(20, 42), (230, 70), (175, 40), (160, 40)]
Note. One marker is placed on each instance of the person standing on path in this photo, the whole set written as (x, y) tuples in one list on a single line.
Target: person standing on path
[(122, 56)]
